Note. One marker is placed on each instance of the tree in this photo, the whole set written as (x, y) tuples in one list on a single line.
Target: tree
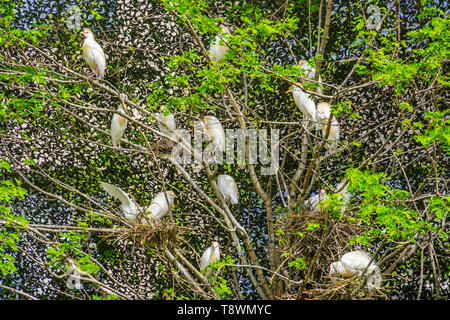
[(383, 68)]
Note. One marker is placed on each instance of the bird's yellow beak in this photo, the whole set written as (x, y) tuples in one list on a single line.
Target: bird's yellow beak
[(289, 91)]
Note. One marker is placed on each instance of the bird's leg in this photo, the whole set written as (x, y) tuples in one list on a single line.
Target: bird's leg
[(89, 75), (97, 72)]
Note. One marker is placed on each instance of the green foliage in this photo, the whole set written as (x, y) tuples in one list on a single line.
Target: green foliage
[(298, 263), (218, 282), (9, 233), (221, 288), (385, 209), (437, 130), (70, 247), (108, 297)]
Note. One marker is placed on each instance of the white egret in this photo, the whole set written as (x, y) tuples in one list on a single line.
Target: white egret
[(323, 113), (168, 124), (304, 103), (303, 100), (354, 263), (211, 255), (215, 132), (218, 48), (154, 212), (228, 188), (159, 207), (311, 74), (313, 201), (118, 126), (93, 54)]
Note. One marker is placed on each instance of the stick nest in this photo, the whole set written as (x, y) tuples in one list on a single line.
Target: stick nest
[(319, 239), (160, 235)]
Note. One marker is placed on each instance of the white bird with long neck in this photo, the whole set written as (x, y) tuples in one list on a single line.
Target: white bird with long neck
[(354, 263), (167, 125), (118, 125), (215, 132), (313, 201), (323, 113), (303, 100), (129, 207), (211, 255), (159, 207), (228, 188), (93, 54), (218, 48), (304, 103)]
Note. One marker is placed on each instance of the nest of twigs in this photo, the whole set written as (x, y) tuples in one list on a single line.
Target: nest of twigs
[(311, 233), (319, 239), (159, 235), (341, 289)]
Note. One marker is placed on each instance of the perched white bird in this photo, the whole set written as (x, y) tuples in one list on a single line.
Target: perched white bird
[(129, 207), (303, 100), (313, 201), (211, 255), (215, 132), (311, 74), (168, 120), (93, 54), (218, 48), (304, 103), (155, 211), (228, 188), (354, 263), (118, 126), (323, 113), (159, 207)]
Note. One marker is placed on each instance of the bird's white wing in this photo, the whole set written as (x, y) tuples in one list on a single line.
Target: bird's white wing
[(170, 123), (99, 59), (159, 206), (233, 190), (216, 50), (219, 137), (228, 188), (355, 260), (215, 255), (234, 194), (216, 133), (304, 103), (204, 260), (313, 201), (96, 47), (118, 126), (221, 185), (117, 193), (335, 125)]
